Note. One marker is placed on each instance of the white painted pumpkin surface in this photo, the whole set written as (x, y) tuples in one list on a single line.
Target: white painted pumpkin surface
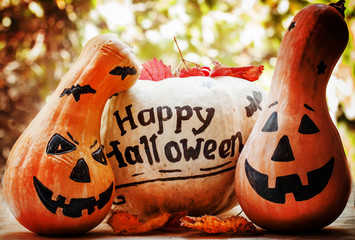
[(174, 144)]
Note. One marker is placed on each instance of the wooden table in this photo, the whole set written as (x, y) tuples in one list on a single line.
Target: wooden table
[(342, 228)]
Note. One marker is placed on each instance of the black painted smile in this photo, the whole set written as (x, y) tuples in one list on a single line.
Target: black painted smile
[(317, 181), (76, 205)]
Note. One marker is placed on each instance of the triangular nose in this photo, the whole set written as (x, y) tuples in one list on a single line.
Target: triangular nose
[(80, 172), (283, 151)]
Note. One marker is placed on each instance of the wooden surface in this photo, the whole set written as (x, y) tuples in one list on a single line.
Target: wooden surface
[(342, 228)]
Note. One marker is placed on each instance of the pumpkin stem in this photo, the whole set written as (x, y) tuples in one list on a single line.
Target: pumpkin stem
[(339, 6), (184, 61), (182, 58)]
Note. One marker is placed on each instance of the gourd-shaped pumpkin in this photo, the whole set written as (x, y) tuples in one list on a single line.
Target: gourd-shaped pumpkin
[(173, 144), (58, 180), (292, 174)]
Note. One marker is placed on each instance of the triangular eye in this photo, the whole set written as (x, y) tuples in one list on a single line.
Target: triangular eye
[(99, 156), (307, 126), (59, 145), (271, 125)]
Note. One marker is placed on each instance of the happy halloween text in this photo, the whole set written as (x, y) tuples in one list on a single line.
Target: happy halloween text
[(174, 151)]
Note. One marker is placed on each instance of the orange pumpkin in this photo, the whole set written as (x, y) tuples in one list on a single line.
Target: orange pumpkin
[(58, 180), (292, 174)]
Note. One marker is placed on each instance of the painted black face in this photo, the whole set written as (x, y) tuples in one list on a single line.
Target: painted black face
[(59, 145), (317, 179)]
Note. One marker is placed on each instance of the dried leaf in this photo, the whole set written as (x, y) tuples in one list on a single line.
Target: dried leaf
[(250, 73), (174, 223), (214, 225), (155, 70), (195, 71), (124, 223)]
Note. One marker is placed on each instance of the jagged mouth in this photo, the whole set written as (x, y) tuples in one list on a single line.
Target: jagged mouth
[(76, 205), (317, 181)]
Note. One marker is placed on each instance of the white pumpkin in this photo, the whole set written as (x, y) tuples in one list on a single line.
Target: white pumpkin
[(174, 144)]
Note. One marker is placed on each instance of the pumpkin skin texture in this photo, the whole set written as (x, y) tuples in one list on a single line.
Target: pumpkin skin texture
[(58, 180), (173, 144), (292, 174)]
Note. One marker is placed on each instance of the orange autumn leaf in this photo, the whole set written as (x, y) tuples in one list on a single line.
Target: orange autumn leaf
[(214, 225), (155, 70), (124, 223)]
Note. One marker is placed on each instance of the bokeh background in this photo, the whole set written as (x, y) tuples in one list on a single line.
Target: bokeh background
[(40, 40)]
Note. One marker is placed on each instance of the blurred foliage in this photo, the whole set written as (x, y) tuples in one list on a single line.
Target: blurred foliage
[(39, 40)]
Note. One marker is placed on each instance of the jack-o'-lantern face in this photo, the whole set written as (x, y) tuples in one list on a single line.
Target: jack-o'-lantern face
[(58, 179), (292, 174), (60, 148), (317, 179)]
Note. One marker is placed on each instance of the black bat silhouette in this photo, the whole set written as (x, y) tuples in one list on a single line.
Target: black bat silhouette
[(123, 71), (254, 103), (77, 91)]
